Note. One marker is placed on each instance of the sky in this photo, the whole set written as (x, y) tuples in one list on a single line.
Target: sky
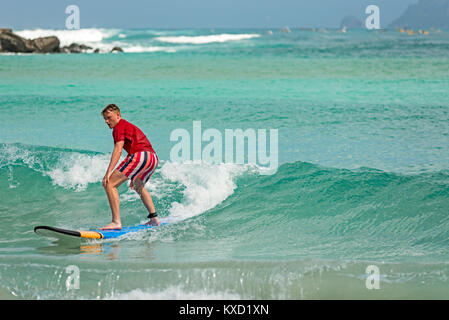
[(175, 14)]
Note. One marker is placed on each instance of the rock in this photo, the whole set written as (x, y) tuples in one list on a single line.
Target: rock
[(84, 47), (117, 49), (10, 42), (75, 48), (5, 30), (29, 45), (351, 22), (46, 44)]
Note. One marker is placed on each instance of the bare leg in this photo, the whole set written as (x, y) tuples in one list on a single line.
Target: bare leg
[(146, 199), (115, 180)]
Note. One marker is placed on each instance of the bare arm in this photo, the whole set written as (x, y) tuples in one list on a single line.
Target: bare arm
[(115, 157)]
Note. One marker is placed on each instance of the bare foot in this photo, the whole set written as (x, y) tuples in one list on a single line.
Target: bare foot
[(153, 222), (112, 226)]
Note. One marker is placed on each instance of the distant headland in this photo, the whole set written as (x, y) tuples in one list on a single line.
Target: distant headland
[(424, 14)]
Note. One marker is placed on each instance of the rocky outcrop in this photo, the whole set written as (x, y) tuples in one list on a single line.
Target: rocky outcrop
[(424, 14), (351, 22), (116, 49), (75, 48), (11, 42)]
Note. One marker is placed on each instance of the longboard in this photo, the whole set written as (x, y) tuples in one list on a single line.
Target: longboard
[(53, 232)]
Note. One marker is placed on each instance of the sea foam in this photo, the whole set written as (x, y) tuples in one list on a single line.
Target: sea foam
[(174, 293), (207, 185), (77, 170), (204, 186), (207, 39), (88, 36), (69, 169)]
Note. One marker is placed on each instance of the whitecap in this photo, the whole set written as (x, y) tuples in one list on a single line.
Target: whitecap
[(225, 37), (87, 36)]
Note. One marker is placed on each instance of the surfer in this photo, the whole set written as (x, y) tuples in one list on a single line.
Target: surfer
[(138, 166)]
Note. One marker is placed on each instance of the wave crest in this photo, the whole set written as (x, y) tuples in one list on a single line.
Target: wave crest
[(67, 37), (225, 37)]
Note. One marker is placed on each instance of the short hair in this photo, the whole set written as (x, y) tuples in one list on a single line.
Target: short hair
[(111, 107)]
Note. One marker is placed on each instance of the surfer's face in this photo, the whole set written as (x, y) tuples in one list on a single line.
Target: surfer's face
[(111, 118)]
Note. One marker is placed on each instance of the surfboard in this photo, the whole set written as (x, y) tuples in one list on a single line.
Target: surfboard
[(58, 233)]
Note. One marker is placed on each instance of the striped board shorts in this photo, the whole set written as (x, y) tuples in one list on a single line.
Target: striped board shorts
[(139, 165)]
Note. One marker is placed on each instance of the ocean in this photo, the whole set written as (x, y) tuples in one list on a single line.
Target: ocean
[(361, 180)]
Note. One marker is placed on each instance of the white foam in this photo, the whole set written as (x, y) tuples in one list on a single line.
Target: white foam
[(156, 186), (88, 36), (207, 39), (77, 170), (70, 170), (175, 293), (206, 185), (139, 48), (12, 154)]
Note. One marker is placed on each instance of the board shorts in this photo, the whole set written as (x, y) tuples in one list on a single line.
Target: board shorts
[(139, 165)]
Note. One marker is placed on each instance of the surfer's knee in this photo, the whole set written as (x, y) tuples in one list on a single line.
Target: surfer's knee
[(115, 180), (109, 186)]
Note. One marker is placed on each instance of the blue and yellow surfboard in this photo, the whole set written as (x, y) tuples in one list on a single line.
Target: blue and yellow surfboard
[(58, 233)]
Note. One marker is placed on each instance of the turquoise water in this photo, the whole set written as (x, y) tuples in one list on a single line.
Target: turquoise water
[(362, 177)]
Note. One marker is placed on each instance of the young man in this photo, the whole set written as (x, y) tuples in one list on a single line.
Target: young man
[(138, 166)]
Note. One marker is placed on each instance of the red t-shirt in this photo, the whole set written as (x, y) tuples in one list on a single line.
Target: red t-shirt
[(135, 139)]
